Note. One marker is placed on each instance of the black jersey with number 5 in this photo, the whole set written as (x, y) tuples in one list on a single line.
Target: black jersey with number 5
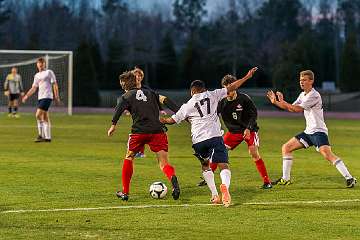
[(239, 113), (144, 106)]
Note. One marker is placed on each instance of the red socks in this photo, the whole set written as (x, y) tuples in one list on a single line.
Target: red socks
[(260, 165), (127, 172), (169, 171), (213, 166)]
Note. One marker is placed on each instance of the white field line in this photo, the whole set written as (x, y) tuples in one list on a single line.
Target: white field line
[(177, 206), (303, 202)]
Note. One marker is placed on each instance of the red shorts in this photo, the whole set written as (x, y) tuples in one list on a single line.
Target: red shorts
[(231, 140), (156, 142)]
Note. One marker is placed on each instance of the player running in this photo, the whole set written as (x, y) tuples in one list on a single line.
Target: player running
[(13, 88), (239, 114), (201, 112), (139, 74), (143, 104), (45, 81), (316, 132)]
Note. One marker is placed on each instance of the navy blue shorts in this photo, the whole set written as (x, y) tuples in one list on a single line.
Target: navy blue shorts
[(44, 103), (317, 139), (213, 149)]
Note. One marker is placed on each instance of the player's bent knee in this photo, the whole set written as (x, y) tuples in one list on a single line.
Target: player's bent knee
[(205, 163)]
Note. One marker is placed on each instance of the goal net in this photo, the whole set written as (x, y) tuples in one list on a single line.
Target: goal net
[(25, 61)]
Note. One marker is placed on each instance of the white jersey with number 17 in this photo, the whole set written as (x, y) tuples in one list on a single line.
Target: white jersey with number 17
[(201, 111)]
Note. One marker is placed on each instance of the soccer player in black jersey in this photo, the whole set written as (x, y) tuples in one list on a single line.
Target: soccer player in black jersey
[(143, 104), (239, 114)]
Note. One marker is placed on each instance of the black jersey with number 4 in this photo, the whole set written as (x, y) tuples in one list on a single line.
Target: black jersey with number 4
[(143, 104), (239, 113)]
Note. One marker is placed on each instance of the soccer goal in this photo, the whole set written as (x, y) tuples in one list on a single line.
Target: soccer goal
[(61, 62)]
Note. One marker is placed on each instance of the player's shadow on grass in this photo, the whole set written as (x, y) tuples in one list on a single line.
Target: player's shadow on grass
[(245, 194)]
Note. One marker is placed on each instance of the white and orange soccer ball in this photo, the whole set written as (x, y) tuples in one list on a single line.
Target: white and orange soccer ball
[(158, 190)]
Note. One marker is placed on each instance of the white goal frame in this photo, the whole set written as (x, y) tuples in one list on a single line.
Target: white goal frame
[(70, 69)]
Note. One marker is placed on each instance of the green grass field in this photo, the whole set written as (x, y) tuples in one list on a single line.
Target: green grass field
[(81, 169)]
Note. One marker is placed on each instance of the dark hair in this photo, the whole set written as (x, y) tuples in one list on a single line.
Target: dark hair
[(228, 79), (42, 60), (198, 85), (127, 80)]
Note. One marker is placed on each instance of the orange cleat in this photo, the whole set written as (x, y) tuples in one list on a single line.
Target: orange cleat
[(215, 199), (226, 198)]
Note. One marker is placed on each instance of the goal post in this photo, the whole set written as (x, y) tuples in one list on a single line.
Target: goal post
[(61, 62)]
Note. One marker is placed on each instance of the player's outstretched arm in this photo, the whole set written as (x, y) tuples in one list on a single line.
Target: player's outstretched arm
[(281, 103), (111, 130), (31, 91), (169, 103), (235, 85)]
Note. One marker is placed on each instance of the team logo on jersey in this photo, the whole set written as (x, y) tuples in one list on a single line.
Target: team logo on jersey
[(239, 107)]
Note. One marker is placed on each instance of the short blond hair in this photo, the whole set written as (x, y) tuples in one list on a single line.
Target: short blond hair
[(308, 73)]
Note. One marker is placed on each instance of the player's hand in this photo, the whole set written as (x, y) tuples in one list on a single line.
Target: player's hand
[(111, 130), (24, 99), (280, 96), (271, 96), (251, 72), (58, 101), (247, 134), (163, 120), (7, 93)]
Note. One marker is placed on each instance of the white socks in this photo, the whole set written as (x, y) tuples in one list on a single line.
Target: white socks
[(40, 128), (225, 176), (287, 164), (339, 164), (44, 129), (209, 178), (47, 130)]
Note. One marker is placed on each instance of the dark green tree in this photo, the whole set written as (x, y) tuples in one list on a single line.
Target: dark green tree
[(188, 19), (4, 12), (85, 82), (301, 55), (167, 68), (350, 65)]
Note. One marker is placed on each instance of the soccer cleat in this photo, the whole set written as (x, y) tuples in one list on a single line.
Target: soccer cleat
[(282, 181), (47, 140), (39, 139), (215, 199), (16, 115), (225, 195), (350, 183), (202, 182), (266, 186), (122, 196), (10, 115), (139, 155), (176, 188)]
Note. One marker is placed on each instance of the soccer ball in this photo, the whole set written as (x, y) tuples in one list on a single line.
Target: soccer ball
[(158, 190)]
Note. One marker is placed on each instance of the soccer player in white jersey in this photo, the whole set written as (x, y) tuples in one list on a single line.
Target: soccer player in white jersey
[(45, 81), (316, 132), (201, 112)]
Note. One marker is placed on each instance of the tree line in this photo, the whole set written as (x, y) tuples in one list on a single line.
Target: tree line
[(281, 37)]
